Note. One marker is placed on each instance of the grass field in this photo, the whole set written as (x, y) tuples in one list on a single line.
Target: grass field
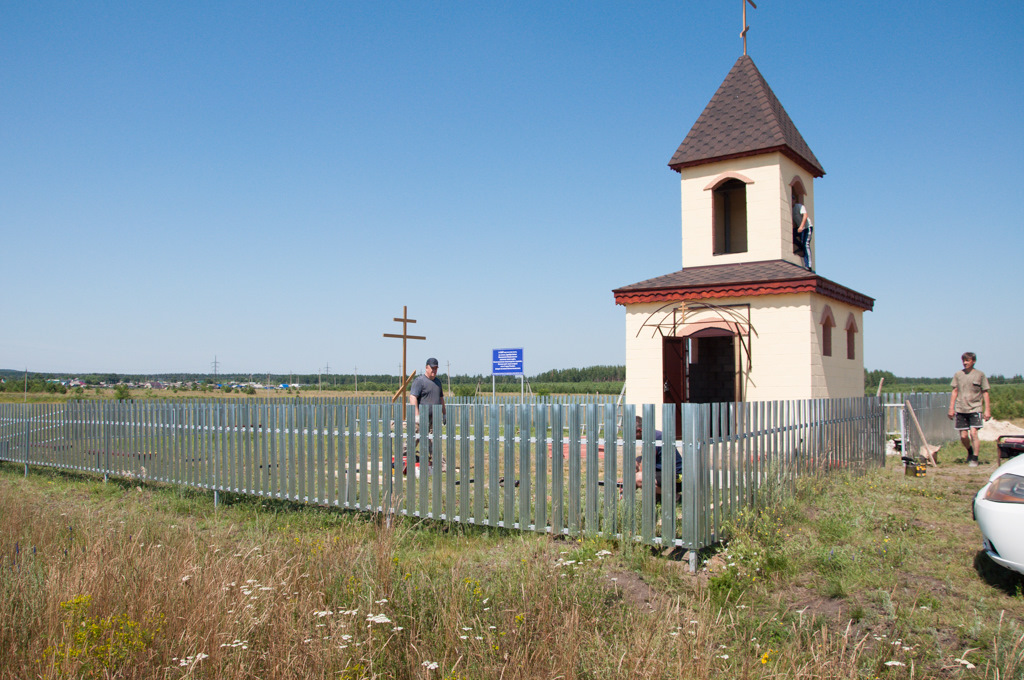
[(854, 577)]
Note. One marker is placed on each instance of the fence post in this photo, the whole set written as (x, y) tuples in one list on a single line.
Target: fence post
[(647, 473), (668, 470), (26, 409)]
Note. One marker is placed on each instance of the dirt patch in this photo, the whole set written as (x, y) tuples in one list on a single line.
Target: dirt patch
[(808, 604), (632, 588)]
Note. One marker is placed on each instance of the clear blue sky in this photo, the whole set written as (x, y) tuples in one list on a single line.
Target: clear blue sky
[(271, 182)]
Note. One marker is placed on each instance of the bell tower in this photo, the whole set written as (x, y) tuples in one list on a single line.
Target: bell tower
[(743, 319), (742, 167)]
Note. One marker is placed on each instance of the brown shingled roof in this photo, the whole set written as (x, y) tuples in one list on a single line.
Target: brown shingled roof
[(744, 118), (772, 277)]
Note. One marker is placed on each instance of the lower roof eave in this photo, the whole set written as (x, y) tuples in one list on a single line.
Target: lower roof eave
[(814, 284)]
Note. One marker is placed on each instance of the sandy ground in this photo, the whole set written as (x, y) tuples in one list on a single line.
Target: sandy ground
[(994, 429)]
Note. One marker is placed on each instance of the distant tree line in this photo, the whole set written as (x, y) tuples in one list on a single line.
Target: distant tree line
[(872, 378), (590, 380), (592, 374)]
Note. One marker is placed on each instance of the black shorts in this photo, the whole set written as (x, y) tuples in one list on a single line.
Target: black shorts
[(968, 421)]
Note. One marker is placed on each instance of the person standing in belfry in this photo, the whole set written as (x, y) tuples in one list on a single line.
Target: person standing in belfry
[(426, 391), (803, 228), (968, 404)]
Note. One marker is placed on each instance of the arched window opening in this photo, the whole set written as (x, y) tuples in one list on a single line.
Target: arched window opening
[(828, 322), (851, 337), (730, 217)]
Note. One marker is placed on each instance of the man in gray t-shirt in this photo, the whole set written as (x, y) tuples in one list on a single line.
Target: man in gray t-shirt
[(426, 391), (969, 404)]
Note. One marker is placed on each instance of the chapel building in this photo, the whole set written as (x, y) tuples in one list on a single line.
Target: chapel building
[(743, 319)]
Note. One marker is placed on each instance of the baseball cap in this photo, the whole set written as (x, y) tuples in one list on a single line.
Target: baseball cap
[(432, 362)]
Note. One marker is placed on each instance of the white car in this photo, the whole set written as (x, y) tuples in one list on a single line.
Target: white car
[(999, 511)]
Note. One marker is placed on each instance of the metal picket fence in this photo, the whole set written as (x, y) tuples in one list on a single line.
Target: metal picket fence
[(544, 467), (931, 409)]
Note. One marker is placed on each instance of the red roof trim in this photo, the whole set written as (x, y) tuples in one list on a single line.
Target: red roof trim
[(752, 289)]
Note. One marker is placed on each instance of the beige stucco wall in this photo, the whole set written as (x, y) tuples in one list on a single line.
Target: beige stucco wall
[(787, 362), (769, 216), (837, 376), (643, 357)]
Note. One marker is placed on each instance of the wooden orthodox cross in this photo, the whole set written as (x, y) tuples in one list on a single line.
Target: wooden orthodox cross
[(405, 321), (746, 28)]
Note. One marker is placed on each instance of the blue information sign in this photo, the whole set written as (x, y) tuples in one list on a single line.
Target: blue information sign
[(508, 362)]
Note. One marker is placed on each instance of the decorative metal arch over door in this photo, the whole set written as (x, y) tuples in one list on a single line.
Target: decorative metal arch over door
[(706, 350)]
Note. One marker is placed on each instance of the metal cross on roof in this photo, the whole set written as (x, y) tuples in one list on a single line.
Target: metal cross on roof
[(746, 28), (405, 321)]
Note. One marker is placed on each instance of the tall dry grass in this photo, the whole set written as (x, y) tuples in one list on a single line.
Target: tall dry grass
[(117, 581), (251, 591)]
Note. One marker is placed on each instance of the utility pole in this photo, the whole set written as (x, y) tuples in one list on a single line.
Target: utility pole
[(355, 373), (449, 365)]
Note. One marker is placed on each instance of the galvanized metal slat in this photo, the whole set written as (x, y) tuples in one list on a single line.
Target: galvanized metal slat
[(509, 468), (647, 509), (435, 458), (668, 470), (450, 456), (493, 462), (302, 427), (291, 468), (479, 469), (611, 495), (387, 454), (575, 471), (593, 463), (364, 460), (411, 453), (541, 454), (525, 432), (399, 450), (629, 518), (465, 467), (311, 452)]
